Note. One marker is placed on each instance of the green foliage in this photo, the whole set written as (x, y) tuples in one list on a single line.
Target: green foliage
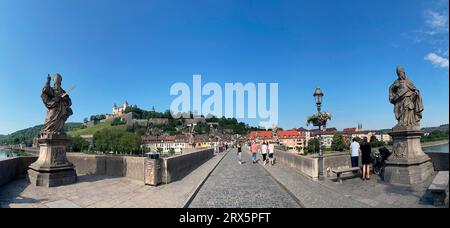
[(136, 128), (321, 118), (145, 115), (117, 141), (233, 125), (97, 117), (212, 120), (78, 144), (117, 122), (202, 128), (171, 152), (313, 146), (374, 142), (338, 143), (435, 136), (230, 124), (359, 140), (27, 135), (22, 154), (98, 127)]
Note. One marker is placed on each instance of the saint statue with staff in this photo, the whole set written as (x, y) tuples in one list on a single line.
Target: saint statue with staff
[(58, 103)]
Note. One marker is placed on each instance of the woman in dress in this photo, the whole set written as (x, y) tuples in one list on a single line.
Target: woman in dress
[(366, 150)]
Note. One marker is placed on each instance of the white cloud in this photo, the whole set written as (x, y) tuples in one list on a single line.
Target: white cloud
[(436, 60), (436, 21)]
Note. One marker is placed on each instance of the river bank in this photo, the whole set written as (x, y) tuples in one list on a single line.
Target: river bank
[(435, 143)]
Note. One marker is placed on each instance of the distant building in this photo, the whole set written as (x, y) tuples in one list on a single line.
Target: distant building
[(291, 139), (383, 137), (364, 134), (326, 135), (306, 135), (260, 136), (164, 143), (118, 111)]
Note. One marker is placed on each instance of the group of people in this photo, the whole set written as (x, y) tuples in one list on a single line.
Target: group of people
[(364, 151), (266, 149)]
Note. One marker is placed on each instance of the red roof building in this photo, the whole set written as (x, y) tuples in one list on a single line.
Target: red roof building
[(349, 131), (291, 134), (264, 135)]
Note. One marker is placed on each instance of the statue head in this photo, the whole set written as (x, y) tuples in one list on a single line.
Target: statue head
[(401, 73)]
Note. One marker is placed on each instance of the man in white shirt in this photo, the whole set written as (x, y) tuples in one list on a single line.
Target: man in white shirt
[(271, 152), (356, 151), (264, 150)]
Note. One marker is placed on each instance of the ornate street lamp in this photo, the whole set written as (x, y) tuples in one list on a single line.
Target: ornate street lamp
[(318, 95)]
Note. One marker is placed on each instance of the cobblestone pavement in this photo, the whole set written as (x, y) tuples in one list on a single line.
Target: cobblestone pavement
[(233, 185), (105, 192), (353, 193)]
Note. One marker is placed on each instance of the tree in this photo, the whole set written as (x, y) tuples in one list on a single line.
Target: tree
[(129, 143), (313, 146), (117, 121), (78, 144), (171, 151), (435, 136), (338, 143), (117, 141), (374, 142), (97, 117), (358, 139)]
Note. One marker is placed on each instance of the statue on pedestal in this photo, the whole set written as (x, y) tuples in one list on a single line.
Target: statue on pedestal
[(52, 168), (408, 164)]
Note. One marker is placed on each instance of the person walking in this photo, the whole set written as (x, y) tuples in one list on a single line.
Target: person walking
[(366, 150), (239, 153), (355, 149), (271, 153), (264, 150), (254, 151)]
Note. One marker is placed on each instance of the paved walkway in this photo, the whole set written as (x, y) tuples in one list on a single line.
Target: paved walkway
[(353, 193), (106, 192), (248, 185)]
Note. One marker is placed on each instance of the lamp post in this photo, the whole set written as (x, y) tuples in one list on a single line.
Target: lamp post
[(318, 95)]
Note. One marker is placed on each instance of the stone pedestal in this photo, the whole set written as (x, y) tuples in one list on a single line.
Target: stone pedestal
[(52, 168), (408, 164)]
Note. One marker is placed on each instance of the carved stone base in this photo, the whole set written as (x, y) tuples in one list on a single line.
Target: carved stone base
[(53, 179), (408, 164), (52, 168)]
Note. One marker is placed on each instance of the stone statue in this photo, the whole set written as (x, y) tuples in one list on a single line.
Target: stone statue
[(408, 164), (58, 105), (407, 101), (52, 168)]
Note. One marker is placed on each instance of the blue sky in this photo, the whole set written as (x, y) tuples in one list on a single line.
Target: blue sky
[(117, 50)]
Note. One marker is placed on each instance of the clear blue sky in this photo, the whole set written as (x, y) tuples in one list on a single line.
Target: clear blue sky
[(117, 50)]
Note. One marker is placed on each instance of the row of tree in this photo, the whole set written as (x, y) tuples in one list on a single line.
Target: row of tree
[(109, 140), (27, 135), (341, 143), (436, 136)]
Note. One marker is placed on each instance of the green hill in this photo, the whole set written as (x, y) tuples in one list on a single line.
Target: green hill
[(27, 135), (93, 129)]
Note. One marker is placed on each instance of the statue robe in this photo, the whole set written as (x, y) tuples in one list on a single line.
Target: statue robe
[(58, 110), (407, 102)]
